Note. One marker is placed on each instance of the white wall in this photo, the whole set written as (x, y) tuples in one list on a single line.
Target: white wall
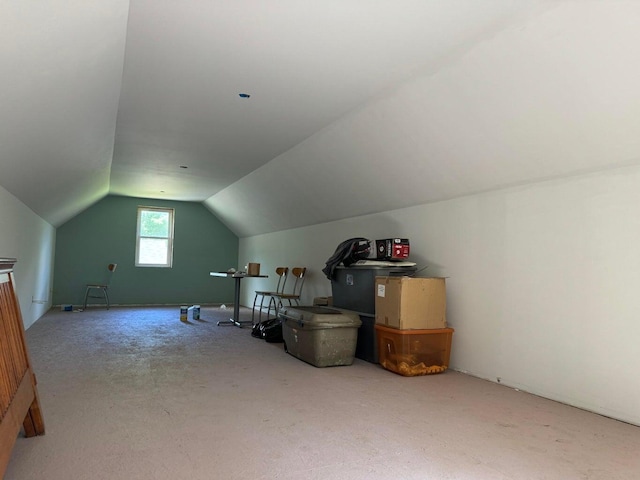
[(553, 96), (542, 286), (30, 239)]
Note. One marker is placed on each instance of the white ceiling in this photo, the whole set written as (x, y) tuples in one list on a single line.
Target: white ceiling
[(356, 106)]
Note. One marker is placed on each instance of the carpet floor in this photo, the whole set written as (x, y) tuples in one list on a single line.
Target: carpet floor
[(134, 393)]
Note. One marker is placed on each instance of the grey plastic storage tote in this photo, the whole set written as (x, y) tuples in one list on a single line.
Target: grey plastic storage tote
[(321, 336)]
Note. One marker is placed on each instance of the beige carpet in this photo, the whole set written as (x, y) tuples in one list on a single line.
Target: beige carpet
[(133, 393)]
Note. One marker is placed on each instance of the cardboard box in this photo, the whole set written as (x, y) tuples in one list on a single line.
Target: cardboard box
[(409, 303), (322, 301), (253, 269)]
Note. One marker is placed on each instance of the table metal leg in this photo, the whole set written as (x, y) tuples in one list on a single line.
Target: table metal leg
[(236, 309)]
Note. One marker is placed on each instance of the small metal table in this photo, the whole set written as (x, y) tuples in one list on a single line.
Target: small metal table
[(238, 276)]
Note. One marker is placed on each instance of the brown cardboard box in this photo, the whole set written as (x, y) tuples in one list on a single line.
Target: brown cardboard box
[(410, 303), (253, 269), (322, 301)]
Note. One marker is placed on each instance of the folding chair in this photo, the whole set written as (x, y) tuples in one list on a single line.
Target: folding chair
[(282, 273), (299, 274), (101, 287)]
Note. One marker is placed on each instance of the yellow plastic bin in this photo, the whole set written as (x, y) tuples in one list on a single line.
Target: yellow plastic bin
[(414, 352)]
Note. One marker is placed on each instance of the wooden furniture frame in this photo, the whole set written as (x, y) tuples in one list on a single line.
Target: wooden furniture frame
[(19, 402)]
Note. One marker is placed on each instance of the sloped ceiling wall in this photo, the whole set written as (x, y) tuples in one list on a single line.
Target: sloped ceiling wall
[(356, 107), (61, 66), (553, 95)]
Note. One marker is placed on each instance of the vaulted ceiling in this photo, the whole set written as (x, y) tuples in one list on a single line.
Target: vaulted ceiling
[(351, 106)]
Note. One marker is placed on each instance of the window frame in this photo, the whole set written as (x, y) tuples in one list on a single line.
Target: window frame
[(170, 238)]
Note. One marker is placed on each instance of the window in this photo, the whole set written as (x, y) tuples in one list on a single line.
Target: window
[(154, 237)]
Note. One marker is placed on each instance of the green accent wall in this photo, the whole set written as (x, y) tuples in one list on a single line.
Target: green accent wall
[(106, 233)]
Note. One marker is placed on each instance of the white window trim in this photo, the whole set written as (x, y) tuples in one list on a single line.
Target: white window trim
[(172, 215)]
